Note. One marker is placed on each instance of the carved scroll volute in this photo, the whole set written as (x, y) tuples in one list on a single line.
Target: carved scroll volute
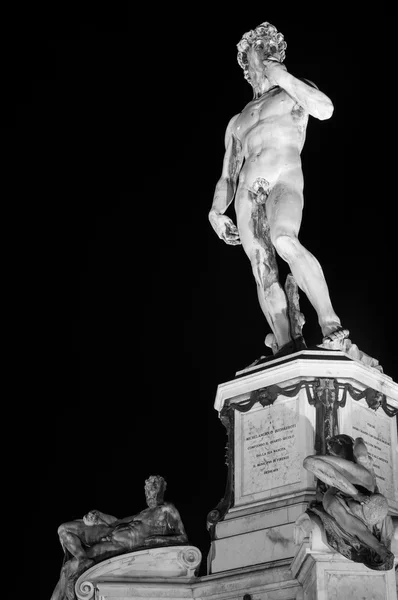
[(85, 591), (190, 558)]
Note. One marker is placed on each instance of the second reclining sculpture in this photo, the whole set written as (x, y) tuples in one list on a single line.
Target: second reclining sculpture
[(98, 536), (353, 512)]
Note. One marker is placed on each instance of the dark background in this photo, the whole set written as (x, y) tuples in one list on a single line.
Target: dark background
[(118, 118)]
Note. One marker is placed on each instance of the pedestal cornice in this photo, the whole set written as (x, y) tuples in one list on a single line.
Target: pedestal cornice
[(307, 364)]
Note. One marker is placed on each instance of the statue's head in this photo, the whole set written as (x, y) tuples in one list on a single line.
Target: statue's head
[(155, 487), (341, 445), (266, 39)]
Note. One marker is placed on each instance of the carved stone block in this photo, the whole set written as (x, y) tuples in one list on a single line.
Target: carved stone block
[(120, 573)]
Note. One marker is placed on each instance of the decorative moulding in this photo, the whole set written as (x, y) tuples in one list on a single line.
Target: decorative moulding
[(153, 564)]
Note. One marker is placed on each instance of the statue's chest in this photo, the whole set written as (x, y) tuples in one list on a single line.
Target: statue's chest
[(157, 518), (274, 105)]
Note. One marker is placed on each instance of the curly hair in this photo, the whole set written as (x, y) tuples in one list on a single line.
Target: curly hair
[(274, 39), (158, 479)]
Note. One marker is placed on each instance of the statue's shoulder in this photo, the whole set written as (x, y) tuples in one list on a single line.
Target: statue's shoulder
[(231, 131), (232, 121), (168, 506), (231, 126)]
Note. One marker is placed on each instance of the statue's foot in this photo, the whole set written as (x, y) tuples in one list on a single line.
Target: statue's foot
[(337, 335)]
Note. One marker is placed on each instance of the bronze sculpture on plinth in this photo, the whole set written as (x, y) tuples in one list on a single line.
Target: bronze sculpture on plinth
[(98, 536), (353, 512)]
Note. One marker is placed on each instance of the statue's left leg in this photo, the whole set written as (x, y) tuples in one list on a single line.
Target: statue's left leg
[(284, 211)]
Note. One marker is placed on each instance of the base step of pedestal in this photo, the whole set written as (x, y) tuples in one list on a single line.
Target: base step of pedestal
[(262, 582), (332, 577)]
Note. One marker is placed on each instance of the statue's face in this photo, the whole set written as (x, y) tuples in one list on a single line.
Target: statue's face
[(153, 487), (263, 48)]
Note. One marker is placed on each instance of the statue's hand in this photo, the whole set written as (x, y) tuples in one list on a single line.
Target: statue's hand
[(361, 498), (273, 70), (225, 229)]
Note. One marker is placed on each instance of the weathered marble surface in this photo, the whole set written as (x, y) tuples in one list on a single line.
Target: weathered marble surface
[(271, 443)]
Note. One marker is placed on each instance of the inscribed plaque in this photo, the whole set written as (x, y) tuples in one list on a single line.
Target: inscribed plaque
[(270, 452), (375, 429)]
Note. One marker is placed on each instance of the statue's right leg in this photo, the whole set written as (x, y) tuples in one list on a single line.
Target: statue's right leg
[(254, 235), (70, 537)]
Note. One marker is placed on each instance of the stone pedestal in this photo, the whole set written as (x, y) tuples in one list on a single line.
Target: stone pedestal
[(277, 413), (264, 545), (170, 573)]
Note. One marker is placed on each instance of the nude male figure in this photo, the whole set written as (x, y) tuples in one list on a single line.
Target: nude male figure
[(262, 171), (98, 532), (98, 536), (158, 525)]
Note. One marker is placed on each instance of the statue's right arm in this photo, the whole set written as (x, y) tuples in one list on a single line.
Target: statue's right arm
[(96, 517), (226, 187), (108, 519), (135, 517)]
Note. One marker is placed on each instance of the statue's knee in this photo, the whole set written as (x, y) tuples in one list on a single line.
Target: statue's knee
[(65, 530), (309, 463), (287, 246)]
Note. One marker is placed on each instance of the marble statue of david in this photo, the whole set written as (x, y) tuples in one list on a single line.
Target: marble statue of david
[(262, 172)]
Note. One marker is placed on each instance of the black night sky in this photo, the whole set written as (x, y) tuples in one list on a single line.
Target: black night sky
[(119, 118)]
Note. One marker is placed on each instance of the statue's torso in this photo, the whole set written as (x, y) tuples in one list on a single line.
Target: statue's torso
[(271, 131), (156, 519)]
